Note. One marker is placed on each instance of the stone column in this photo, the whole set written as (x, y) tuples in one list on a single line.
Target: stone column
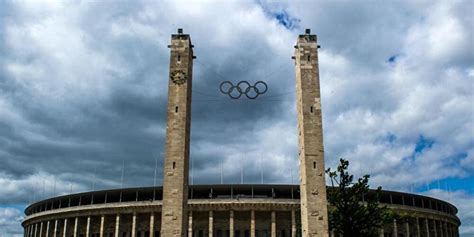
[(102, 220), (407, 228), (439, 224), (152, 224), (273, 224), (450, 233), (211, 223), (418, 233), (427, 227), (134, 224), (395, 228), (381, 232), (47, 229), (252, 223), (190, 224), (435, 229), (55, 228), (445, 224), (75, 226), (117, 225), (88, 226), (36, 229), (65, 228), (293, 223), (41, 230), (231, 224)]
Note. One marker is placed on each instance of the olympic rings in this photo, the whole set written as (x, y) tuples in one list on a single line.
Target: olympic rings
[(243, 87)]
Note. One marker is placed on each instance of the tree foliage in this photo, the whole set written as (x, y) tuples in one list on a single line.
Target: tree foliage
[(355, 210)]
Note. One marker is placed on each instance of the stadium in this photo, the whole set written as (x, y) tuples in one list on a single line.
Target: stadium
[(215, 210), (226, 210)]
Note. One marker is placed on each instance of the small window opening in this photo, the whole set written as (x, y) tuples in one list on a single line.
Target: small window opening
[(314, 165), (311, 109), (176, 109), (309, 58), (179, 58), (174, 165)]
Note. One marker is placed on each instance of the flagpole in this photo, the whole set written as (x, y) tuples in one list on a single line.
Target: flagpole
[(54, 187), (241, 170), (123, 168), (222, 171), (93, 179), (154, 178), (192, 171)]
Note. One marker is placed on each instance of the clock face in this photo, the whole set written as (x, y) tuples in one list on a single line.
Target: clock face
[(178, 77)]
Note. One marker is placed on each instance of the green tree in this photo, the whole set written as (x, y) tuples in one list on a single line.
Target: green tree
[(355, 210)]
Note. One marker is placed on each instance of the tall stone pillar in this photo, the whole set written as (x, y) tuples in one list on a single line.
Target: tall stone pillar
[(211, 223), (88, 226), (102, 221), (293, 223), (231, 223), (36, 229), (65, 228), (174, 219), (190, 224), (134, 224), (41, 230), (75, 226), (273, 224), (435, 233), (395, 228), (252, 223), (314, 215), (47, 230), (117, 225), (55, 228), (152, 225)]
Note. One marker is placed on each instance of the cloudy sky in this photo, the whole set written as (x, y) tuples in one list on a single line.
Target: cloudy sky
[(83, 91)]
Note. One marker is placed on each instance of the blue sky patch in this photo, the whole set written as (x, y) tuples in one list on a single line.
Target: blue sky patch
[(281, 16), (450, 184), (422, 144), (286, 20), (393, 59)]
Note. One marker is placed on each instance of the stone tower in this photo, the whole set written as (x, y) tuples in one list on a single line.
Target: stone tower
[(314, 217), (175, 181)]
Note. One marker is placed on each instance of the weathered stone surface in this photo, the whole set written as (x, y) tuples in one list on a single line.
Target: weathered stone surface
[(314, 219)]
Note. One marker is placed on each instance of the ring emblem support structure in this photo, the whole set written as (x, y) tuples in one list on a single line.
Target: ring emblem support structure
[(243, 88)]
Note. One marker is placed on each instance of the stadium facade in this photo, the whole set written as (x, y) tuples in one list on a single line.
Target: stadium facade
[(178, 210)]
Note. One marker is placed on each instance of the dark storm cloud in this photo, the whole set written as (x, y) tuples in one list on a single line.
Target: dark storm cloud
[(95, 129)]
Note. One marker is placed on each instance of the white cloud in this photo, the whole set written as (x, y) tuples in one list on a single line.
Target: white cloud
[(10, 219)]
